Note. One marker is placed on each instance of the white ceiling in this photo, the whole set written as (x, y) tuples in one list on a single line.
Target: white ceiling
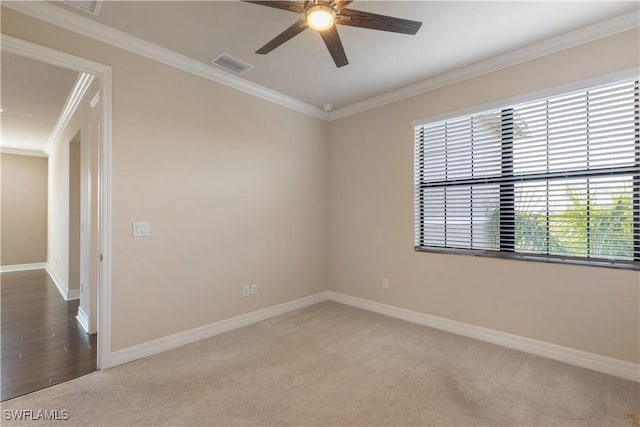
[(455, 37), (454, 34), (33, 96)]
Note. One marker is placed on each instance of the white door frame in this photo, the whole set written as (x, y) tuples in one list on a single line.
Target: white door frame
[(103, 73)]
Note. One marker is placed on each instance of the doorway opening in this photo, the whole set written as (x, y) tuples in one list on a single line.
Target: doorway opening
[(76, 272)]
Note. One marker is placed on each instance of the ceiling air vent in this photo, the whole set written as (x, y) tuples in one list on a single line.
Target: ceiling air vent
[(232, 64), (92, 7)]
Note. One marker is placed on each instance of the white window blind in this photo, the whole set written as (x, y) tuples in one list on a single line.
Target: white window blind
[(553, 179)]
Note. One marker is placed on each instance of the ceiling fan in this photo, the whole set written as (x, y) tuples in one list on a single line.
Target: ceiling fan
[(324, 15)]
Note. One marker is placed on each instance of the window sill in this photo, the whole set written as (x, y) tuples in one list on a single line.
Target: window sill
[(630, 265)]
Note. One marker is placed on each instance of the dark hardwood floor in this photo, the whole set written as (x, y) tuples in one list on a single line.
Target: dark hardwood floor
[(42, 342)]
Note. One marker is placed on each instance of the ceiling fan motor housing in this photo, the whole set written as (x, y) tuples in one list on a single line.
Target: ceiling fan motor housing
[(320, 16)]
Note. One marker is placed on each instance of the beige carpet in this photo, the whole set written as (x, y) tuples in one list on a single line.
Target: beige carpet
[(330, 364)]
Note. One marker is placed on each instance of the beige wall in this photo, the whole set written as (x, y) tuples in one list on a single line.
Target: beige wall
[(371, 223), (236, 191), (89, 208), (234, 188), (24, 209), (74, 213), (58, 194)]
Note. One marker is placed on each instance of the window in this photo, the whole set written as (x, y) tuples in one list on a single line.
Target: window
[(555, 179)]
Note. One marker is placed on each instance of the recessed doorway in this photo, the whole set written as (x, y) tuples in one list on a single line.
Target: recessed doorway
[(56, 307)]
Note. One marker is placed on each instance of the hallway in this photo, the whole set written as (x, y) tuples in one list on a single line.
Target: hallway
[(42, 342)]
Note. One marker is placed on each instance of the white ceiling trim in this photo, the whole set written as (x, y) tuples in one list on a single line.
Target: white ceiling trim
[(583, 35), (87, 27), (45, 54), (75, 96), (79, 24), (580, 85), (95, 11), (94, 101), (22, 152)]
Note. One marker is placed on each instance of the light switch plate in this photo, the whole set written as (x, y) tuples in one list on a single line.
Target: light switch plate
[(141, 229)]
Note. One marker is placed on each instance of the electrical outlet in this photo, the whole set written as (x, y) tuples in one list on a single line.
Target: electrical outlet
[(254, 288), (385, 283), (140, 229), (246, 290)]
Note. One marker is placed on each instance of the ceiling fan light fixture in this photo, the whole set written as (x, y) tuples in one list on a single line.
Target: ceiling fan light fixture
[(321, 17)]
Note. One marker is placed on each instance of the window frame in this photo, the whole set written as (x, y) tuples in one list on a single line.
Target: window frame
[(506, 200)]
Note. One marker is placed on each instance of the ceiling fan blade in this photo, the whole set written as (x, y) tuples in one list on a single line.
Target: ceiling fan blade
[(332, 41), (299, 26), (372, 21), (291, 6), (341, 4)]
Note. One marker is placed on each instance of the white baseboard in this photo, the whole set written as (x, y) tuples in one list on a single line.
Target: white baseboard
[(607, 365), (62, 287), (150, 348), (22, 267), (83, 319)]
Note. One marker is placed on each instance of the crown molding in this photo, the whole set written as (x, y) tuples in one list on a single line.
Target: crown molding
[(87, 27), (574, 38), (94, 12), (73, 100), (577, 85), (103, 33), (94, 101), (22, 151)]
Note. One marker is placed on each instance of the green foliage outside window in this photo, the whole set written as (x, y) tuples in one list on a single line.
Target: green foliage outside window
[(585, 228)]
